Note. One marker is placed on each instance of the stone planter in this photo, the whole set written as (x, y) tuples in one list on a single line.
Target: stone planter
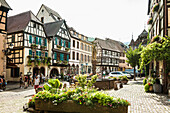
[(124, 81), (70, 106), (157, 88), (104, 84)]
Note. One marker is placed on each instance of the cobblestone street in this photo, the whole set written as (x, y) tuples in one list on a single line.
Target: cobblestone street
[(141, 102)]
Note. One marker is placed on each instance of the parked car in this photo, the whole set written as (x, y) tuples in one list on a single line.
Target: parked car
[(118, 74), (131, 71), (131, 75)]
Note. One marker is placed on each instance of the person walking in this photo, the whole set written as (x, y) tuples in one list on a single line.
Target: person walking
[(36, 83), (26, 82), (30, 80), (21, 81)]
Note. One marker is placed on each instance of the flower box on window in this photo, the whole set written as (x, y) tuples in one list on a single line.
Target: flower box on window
[(155, 7), (67, 49), (150, 21), (65, 62), (43, 47), (34, 46), (59, 47)]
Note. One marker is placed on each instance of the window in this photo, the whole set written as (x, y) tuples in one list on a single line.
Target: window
[(73, 54), (42, 19), (66, 43), (58, 56), (82, 37), (77, 44), (65, 57), (13, 38), (85, 47), (73, 43), (43, 10), (34, 25), (88, 59), (85, 58), (82, 46), (89, 48), (81, 57), (77, 56)]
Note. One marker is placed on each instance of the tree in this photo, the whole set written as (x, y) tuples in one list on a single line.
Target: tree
[(133, 57), (94, 53)]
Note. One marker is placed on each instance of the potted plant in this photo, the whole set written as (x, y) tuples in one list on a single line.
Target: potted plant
[(155, 7), (67, 49), (34, 46), (150, 87), (40, 88), (59, 47), (150, 21), (157, 87)]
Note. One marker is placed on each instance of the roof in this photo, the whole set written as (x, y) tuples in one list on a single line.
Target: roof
[(5, 4), (50, 11), (143, 34), (109, 44), (53, 27), (20, 21), (132, 42)]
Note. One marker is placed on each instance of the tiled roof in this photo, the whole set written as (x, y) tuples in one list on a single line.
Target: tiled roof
[(4, 4), (20, 21), (50, 11), (52, 28), (109, 44)]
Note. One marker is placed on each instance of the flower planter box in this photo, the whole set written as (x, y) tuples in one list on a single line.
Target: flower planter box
[(124, 81), (70, 106), (104, 84)]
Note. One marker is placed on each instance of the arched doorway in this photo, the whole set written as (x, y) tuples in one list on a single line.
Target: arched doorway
[(77, 69), (42, 70), (54, 72), (35, 71)]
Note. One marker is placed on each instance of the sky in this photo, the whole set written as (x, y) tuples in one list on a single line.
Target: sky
[(114, 19)]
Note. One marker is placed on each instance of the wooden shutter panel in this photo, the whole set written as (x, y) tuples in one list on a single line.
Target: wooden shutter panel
[(56, 40), (55, 56), (30, 52), (37, 53), (45, 42), (39, 41), (61, 42), (64, 43), (36, 40), (46, 54), (67, 57), (30, 39), (68, 44)]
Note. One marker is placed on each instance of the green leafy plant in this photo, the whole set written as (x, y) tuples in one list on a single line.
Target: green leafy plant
[(59, 47), (67, 49), (92, 81), (55, 83), (144, 81), (146, 87), (114, 78)]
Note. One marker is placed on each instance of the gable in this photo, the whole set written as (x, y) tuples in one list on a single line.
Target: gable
[(63, 32)]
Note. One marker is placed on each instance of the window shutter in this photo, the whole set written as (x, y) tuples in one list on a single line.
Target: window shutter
[(61, 56), (68, 44), (30, 52), (46, 54), (67, 57), (30, 39), (36, 40), (56, 40), (39, 41), (55, 56), (61, 42), (37, 53), (64, 43), (45, 42)]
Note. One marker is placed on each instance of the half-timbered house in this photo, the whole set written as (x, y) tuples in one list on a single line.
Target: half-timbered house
[(108, 55), (30, 51), (4, 8), (59, 46)]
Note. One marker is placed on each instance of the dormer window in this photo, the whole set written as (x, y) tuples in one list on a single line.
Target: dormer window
[(42, 19), (42, 10), (34, 25)]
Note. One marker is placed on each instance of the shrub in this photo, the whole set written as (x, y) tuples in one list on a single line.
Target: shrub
[(124, 78), (146, 87), (144, 81), (55, 83)]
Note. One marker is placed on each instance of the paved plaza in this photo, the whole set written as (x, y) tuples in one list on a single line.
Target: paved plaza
[(12, 101)]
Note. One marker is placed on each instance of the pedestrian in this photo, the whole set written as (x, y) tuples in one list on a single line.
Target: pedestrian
[(38, 78), (30, 80), (36, 83), (26, 82), (21, 81), (1, 82)]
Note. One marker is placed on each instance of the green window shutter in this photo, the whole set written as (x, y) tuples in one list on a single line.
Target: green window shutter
[(55, 56), (64, 43), (30, 39), (61, 56), (56, 40), (46, 54), (39, 41), (30, 52), (61, 42), (37, 53), (45, 42), (68, 44), (67, 57)]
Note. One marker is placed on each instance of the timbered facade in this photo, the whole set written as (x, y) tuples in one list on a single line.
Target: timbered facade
[(108, 55), (4, 8), (59, 41), (159, 24), (30, 51)]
